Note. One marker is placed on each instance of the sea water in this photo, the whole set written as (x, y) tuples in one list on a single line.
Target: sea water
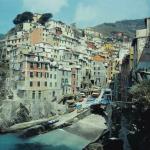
[(54, 140)]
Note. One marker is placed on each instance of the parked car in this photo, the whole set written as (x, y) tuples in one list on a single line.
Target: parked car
[(82, 95), (52, 121)]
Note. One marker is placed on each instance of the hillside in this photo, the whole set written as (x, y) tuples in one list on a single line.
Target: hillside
[(128, 27)]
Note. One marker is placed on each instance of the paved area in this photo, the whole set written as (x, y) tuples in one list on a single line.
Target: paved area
[(62, 119), (24, 125), (66, 117), (90, 127)]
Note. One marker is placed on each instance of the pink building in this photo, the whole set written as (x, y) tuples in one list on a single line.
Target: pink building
[(74, 80)]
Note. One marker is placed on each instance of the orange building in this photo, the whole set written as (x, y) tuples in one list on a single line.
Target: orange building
[(36, 36), (98, 58)]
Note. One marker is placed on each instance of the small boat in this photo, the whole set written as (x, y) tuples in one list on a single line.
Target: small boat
[(52, 122)]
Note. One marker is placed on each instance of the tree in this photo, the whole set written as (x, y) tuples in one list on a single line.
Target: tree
[(44, 18), (141, 91), (17, 20), (140, 116), (24, 17)]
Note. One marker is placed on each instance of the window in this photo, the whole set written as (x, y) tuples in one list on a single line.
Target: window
[(66, 80), (46, 67), (31, 83), (45, 83), (37, 74), (39, 95), (47, 75), (50, 84), (31, 74), (53, 93), (31, 65), (38, 65), (50, 75), (33, 94), (55, 84), (55, 76), (74, 76), (41, 74), (38, 83)]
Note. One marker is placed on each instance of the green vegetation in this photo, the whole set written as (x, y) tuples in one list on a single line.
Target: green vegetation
[(28, 17), (141, 92), (138, 116), (24, 17), (44, 18)]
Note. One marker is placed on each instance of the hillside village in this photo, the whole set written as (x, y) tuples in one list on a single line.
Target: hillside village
[(47, 67), (44, 61), (48, 61)]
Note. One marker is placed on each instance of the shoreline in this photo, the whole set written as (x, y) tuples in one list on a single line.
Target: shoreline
[(86, 125), (64, 120)]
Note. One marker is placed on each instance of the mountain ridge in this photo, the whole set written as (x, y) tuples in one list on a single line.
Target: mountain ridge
[(128, 27)]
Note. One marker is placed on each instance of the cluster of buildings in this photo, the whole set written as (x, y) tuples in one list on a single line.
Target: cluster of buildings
[(135, 64), (50, 61), (45, 63)]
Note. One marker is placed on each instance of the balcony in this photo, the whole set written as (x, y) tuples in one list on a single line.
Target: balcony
[(65, 84)]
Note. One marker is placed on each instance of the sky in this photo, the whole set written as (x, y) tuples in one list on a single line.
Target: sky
[(85, 13)]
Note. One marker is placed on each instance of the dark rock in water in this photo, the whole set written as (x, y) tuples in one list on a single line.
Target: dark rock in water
[(39, 146), (94, 146), (97, 109), (113, 143), (32, 131)]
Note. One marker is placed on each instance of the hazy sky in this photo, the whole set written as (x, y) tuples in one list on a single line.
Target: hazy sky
[(84, 12)]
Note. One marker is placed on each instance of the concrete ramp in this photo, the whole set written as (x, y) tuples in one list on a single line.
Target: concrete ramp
[(89, 128)]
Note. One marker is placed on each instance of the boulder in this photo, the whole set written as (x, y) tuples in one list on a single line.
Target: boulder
[(94, 146)]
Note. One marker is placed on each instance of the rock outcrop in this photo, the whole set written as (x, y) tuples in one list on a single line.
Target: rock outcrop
[(14, 109)]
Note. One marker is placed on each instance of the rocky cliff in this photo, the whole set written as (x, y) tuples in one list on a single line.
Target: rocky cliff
[(16, 110)]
